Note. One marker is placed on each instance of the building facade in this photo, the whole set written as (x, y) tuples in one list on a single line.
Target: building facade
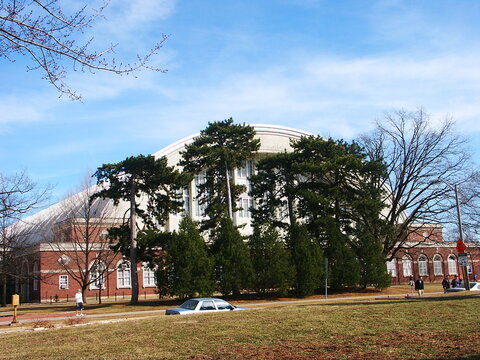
[(53, 267)]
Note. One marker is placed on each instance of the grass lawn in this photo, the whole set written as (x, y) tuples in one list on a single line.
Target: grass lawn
[(444, 327)]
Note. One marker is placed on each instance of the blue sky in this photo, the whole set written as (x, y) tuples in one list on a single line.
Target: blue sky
[(324, 66)]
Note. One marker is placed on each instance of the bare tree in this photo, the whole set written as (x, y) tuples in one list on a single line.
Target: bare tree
[(19, 195), (42, 30), (81, 238), (422, 162)]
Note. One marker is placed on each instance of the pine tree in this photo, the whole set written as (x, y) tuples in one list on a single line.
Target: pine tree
[(271, 261), (233, 266), (307, 259), (188, 265)]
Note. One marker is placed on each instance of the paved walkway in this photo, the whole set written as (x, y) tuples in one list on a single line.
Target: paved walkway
[(6, 318)]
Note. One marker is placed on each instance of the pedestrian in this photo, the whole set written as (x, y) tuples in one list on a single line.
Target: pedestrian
[(79, 303), (411, 283), (475, 277), (419, 286), (460, 279), (454, 282), (445, 284)]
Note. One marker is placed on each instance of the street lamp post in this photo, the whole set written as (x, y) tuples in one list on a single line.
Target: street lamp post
[(460, 229)]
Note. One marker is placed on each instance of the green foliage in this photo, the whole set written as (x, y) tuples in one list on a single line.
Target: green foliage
[(373, 270), (218, 150), (271, 261), (233, 266), (144, 176), (307, 259), (331, 186), (187, 268)]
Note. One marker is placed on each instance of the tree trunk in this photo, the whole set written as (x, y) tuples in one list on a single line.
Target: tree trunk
[(4, 290), (133, 244)]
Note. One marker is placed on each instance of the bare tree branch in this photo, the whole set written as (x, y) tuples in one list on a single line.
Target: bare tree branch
[(42, 31), (419, 159)]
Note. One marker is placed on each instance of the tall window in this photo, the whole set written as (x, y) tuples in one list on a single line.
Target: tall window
[(200, 179), (36, 280), (422, 265), (97, 275), (392, 267), (452, 265), (245, 204), (437, 265), (245, 171), (407, 266), (186, 200), (63, 282), (148, 276), (123, 274)]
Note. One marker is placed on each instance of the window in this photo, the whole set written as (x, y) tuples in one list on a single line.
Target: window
[(63, 282), (186, 200), (246, 171), (223, 305), (407, 266), (200, 179), (148, 276), (207, 305), (392, 267), (36, 281), (437, 265), (422, 265), (245, 204), (97, 275), (452, 265), (123, 275)]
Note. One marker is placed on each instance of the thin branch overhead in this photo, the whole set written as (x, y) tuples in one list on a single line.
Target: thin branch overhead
[(42, 31)]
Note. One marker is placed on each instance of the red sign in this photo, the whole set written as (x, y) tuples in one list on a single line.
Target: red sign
[(461, 247)]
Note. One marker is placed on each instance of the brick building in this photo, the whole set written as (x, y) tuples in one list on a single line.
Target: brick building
[(58, 255)]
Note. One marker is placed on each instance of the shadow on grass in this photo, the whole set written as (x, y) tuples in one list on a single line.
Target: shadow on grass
[(393, 301)]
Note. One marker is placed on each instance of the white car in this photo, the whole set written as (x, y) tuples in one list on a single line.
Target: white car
[(202, 305), (474, 286)]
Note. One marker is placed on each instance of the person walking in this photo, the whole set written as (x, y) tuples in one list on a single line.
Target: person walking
[(79, 303), (411, 283), (445, 284), (419, 286)]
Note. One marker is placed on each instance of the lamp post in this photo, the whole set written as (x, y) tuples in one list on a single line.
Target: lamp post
[(460, 245)]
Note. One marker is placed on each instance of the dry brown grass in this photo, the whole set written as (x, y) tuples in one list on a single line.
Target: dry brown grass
[(420, 328)]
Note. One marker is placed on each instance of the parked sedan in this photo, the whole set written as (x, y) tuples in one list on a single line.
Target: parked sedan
[(202, 305), (474, 286)]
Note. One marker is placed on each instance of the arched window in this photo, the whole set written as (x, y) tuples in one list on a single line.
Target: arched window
[(148, 276), (392, 267), (407, 266), (437, 265), (123, 274), (422, 265), (97, 275), (452, 265)]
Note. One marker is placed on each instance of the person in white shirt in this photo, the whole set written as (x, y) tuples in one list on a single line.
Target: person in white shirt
[(79, 302)]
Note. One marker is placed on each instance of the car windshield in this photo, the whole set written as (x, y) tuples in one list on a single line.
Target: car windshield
[(189, 304)]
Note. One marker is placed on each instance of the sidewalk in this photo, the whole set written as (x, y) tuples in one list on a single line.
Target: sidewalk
[(6, 318)]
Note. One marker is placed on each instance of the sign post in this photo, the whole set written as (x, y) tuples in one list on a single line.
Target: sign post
[(15, 304)]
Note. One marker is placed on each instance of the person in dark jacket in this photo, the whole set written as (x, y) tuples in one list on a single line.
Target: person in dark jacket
[(445, 284), (419, 286), (454, 281)]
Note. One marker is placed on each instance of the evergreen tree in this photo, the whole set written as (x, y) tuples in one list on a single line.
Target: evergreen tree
[(233, 266), (271, 261), (137, 177), (307, 259), (218, 150), (188, 268)]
